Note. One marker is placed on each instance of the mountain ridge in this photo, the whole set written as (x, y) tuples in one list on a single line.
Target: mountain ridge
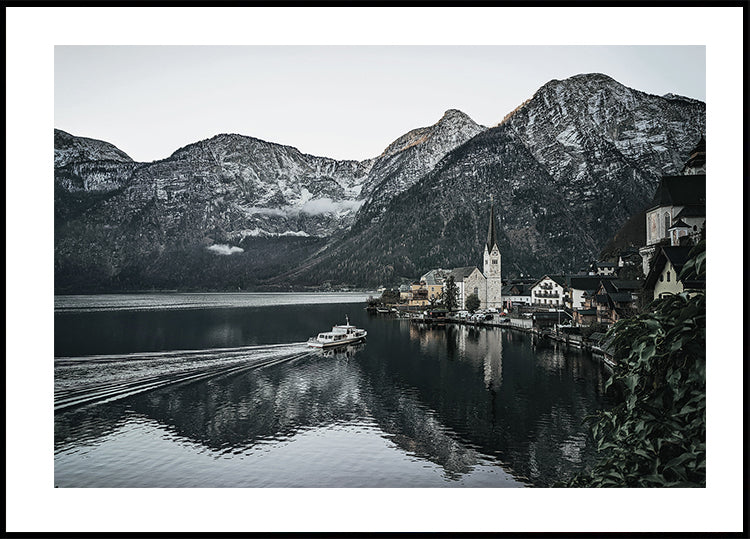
[(566, 168)]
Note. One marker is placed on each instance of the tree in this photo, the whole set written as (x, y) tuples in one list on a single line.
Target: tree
[(656, 435), (472, 303), (390, 296), (450, 293)]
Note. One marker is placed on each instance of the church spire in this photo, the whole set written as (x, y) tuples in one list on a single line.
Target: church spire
[(492, 232)]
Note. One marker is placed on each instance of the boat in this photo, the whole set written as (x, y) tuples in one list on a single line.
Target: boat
[(338, 336)]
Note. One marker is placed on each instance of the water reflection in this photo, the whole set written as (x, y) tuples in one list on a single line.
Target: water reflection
[(530, 407), (459, 397), (234, 414)]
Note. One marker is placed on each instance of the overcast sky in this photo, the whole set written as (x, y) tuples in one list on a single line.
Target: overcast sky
[(345, 102)]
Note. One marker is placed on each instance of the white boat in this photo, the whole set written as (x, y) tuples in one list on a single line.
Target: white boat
[(338, 336)]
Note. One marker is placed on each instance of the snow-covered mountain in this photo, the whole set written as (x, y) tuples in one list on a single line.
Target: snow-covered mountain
[(227, 189), (566, 169), (85, 164), (410, 157)]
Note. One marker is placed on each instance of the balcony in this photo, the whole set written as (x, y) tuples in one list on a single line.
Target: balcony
[(547, 295)]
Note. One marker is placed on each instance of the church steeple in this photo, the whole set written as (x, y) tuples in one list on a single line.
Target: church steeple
[(492, 232), (493, 286)]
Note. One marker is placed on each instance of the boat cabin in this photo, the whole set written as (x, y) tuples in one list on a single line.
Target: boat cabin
[(332, 336)]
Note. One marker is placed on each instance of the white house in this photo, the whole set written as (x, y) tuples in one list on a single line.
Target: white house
[(548, 291)]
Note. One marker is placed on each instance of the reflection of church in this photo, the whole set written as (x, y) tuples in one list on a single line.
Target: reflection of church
[(487, 285)]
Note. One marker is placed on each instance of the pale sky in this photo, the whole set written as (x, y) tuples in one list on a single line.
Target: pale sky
[(344, 102)]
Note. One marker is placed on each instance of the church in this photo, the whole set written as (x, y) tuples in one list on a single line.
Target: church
[(486, 285)]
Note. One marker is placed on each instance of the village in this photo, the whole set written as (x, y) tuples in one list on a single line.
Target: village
[(577, 308)]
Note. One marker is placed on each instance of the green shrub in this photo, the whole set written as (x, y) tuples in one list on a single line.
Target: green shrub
[(656, 435)]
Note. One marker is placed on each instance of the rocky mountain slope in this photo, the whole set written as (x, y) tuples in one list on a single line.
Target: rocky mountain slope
[(566, 169), (409, 158), (219, 195)]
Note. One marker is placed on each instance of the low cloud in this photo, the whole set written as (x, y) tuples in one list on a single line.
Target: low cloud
[(226, 250), (319, 206)]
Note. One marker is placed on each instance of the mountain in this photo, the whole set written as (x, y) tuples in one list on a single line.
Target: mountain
[(409, 158), (162, 223), (566, 169)]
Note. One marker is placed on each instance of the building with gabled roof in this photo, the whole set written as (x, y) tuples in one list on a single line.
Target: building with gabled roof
[(548, 291), (581, 286), (615, 299), (515, 294), (663, 279), (680, 197), (459, 278), (486, 285)]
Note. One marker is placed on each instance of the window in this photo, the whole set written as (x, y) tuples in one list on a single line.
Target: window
[(661, 278), (476, 291), (695, 228), (494, 260), (667, 276), (666, 223)]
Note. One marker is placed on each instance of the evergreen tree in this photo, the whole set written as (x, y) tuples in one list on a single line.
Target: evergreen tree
[(450, 294)]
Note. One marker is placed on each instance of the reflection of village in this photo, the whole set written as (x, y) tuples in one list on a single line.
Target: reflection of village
[(575, 308), (488, 352)]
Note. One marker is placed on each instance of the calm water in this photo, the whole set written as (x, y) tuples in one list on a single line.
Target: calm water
[(219, 390)]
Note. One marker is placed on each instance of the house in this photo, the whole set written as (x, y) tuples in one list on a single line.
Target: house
[(548, 291), (419, 294), (515, 294), (615, 299), (433, 280), (629, 257), (578, 286), (663, 279), (584, 317), (678, 198)]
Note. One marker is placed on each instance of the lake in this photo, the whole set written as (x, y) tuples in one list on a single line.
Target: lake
[(220, 390)]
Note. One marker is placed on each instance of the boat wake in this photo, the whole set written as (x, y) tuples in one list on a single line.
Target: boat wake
[(100, 379)]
